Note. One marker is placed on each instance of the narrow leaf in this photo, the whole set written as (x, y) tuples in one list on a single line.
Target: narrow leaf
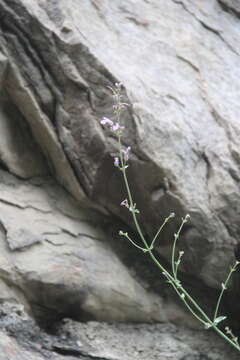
[(208, 325), (219, 319)]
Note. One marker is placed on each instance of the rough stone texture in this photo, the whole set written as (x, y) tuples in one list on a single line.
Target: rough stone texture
[(231, 6), (57, 258), (18, 151), (21, 339), (179, 62), (181, 71), (141, 342)]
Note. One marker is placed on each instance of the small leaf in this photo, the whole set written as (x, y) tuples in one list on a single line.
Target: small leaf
[(124, 167), (121, 233), (178, 284), (219, 319), (224, 286), (182, 296), (208, 325), (136, 211)]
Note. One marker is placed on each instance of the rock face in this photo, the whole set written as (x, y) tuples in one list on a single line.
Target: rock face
[(179, 62), (56, 257), (23, 340), (180, 70)]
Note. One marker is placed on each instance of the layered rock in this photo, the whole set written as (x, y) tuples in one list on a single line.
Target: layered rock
[(23, 340), (55, 258), (179, 62)]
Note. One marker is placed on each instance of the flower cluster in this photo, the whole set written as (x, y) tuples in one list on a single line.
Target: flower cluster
[(115, 127), (124, 157), (126, 153), (121, 162), (125, 203), (132, 208)]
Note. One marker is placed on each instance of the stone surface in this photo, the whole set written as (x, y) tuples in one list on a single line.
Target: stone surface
[(21, 339), (231, 6), (181, 72), (18, 150), (55, 258), (142, 341), (179, 62), (3, 65)]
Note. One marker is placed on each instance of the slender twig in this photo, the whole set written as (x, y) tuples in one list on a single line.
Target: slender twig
[(224, 287), (160, 229), (176, 237)]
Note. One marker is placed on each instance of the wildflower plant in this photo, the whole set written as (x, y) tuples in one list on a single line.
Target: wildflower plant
[(121, 162)]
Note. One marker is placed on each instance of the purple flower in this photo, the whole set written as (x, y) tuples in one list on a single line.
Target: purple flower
[(116, 127), (116, 161), (126, 153), (125, 203), (119, 106), (106, 121)]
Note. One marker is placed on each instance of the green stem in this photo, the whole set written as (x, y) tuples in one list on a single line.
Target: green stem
[(172, 279), (130, 198), (225, 337), (159, 230), (182, 293), (187, 305), (178, 263), (132, 242), (224, 287), (196, 306), (176, 236)]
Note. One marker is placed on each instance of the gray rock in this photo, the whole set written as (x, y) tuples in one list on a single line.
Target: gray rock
[(183, 125), (21, 338), (179, 62), (142, 341), (18, 150), (66, 267), (21, 238), (3, 66), (231, 6)]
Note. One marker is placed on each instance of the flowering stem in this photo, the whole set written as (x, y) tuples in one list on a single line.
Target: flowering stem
[(130, 196), (182, 293), (172, 278)]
